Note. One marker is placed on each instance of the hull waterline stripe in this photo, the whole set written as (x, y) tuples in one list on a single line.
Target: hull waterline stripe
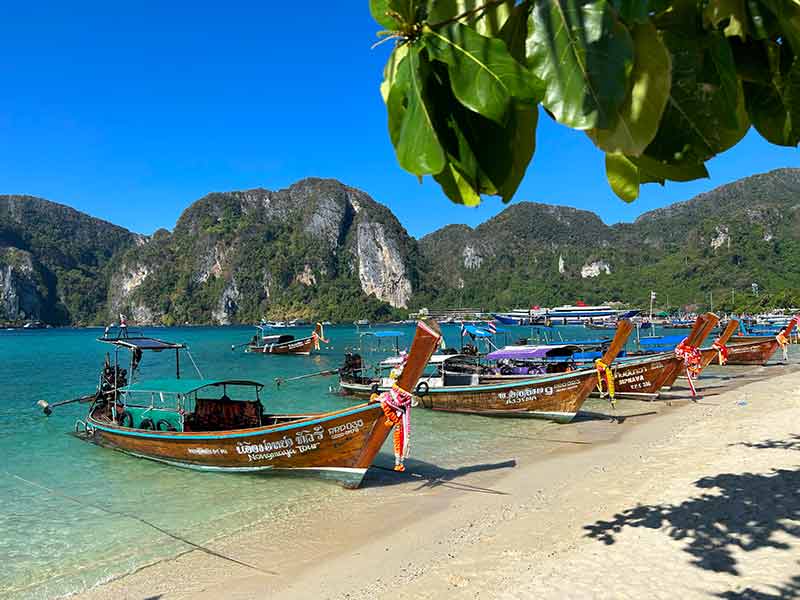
[(253, 432)]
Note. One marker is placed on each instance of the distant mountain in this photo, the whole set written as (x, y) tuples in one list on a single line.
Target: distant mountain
[(744, 232), (316, 249), (322, 249), (54, 261)]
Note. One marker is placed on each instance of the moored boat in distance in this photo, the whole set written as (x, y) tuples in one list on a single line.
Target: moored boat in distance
[(758, 350), (283, 343), (556, 397), (194, 423)]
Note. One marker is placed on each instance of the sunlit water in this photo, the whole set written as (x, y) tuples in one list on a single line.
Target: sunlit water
[(68, 509)]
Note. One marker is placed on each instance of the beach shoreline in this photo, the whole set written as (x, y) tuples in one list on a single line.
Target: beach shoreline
[(509, 527)]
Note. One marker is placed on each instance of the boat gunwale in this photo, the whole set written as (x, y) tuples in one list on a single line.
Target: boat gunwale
[(230, 433)]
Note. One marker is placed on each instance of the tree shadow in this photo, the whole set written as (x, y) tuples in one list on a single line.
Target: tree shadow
[(432, 476), (786, 591), (745, 511), (793, 443)]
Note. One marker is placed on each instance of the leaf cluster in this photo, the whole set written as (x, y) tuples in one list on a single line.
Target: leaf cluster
[(659, 86)]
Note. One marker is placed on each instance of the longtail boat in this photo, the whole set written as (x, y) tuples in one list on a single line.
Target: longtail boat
[(757, 350), (284, 343), (556, 397), (645, 376), (719, 348), (194, 423)]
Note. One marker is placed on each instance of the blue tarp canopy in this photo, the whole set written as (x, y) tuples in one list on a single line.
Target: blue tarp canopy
[(477, 331), (384, 334), (666, 340)]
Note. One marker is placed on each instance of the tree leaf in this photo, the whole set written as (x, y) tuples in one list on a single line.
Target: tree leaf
[(410, 126), (486, 22), (492, 158), (705, 112), (656, 170), (483, 75), (632, 11), (623, 176), (774, 107), (456, 187), (515, 31), (640, 114), (390, 69), (381, 11), (584, 55), (734, 11)]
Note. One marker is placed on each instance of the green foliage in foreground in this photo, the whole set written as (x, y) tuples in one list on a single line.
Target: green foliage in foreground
[(659, 86)]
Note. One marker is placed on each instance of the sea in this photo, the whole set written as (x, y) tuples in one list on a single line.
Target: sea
[(74, 515)]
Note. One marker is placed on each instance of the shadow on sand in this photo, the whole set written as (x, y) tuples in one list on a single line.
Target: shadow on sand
[(786, 591), (432, 476), (586, 415), (742, 512)]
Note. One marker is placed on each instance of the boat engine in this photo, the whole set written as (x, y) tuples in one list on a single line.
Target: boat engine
[(112, 378), (352, 367)]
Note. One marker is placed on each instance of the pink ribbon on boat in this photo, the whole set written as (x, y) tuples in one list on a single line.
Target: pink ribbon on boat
[(399, 401), (692, 360)]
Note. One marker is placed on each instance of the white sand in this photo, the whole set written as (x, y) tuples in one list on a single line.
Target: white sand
[(701, 500)]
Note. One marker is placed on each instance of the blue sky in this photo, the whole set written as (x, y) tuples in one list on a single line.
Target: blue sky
[(132, 114)]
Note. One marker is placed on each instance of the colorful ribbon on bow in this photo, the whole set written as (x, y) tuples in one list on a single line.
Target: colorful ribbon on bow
[(604, 369), (692, 361), (396, 405), (722, 352), (318, 336), (783, 342)]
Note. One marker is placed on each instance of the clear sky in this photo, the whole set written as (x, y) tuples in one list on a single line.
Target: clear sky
[(131, 111)]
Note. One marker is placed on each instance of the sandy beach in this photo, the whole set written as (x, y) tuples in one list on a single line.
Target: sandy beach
[(676, 499)]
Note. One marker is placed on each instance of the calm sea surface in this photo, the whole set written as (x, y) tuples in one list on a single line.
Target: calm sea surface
[(69, 511)]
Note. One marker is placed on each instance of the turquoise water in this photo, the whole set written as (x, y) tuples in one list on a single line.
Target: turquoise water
[(70, 510)]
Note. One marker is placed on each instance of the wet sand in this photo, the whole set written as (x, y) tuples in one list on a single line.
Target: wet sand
[(670, 498)]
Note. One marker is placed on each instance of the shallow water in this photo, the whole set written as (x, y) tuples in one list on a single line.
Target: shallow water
[(74, 514)]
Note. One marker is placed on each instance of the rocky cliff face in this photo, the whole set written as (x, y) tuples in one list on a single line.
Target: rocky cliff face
[(20, 300), (54, 261), (238, 256)]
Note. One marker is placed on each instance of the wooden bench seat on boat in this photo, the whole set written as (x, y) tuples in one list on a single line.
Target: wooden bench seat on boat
[(220, 414)]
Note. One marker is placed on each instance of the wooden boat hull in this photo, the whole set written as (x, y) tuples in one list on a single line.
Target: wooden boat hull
[(642, 377), (646, 377), (751, 352), (340, 445), (556, 398), (303, 346)]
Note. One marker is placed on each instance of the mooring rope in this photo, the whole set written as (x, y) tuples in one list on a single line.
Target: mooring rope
[(191, 358), (141, 520)]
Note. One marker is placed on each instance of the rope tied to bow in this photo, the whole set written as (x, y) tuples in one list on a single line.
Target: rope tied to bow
[(604, 369), (396, 405), (722, 352), (692, 361)]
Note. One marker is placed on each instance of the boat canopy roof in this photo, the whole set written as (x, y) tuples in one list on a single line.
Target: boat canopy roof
[(383, 334), (185, 386), (532, 352), (436, 359), (278, 338), (142, 343), (664, 340), (475, 331)]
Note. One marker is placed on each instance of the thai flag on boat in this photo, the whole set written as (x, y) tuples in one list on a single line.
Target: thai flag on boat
[(463, 329), (491, 327)]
